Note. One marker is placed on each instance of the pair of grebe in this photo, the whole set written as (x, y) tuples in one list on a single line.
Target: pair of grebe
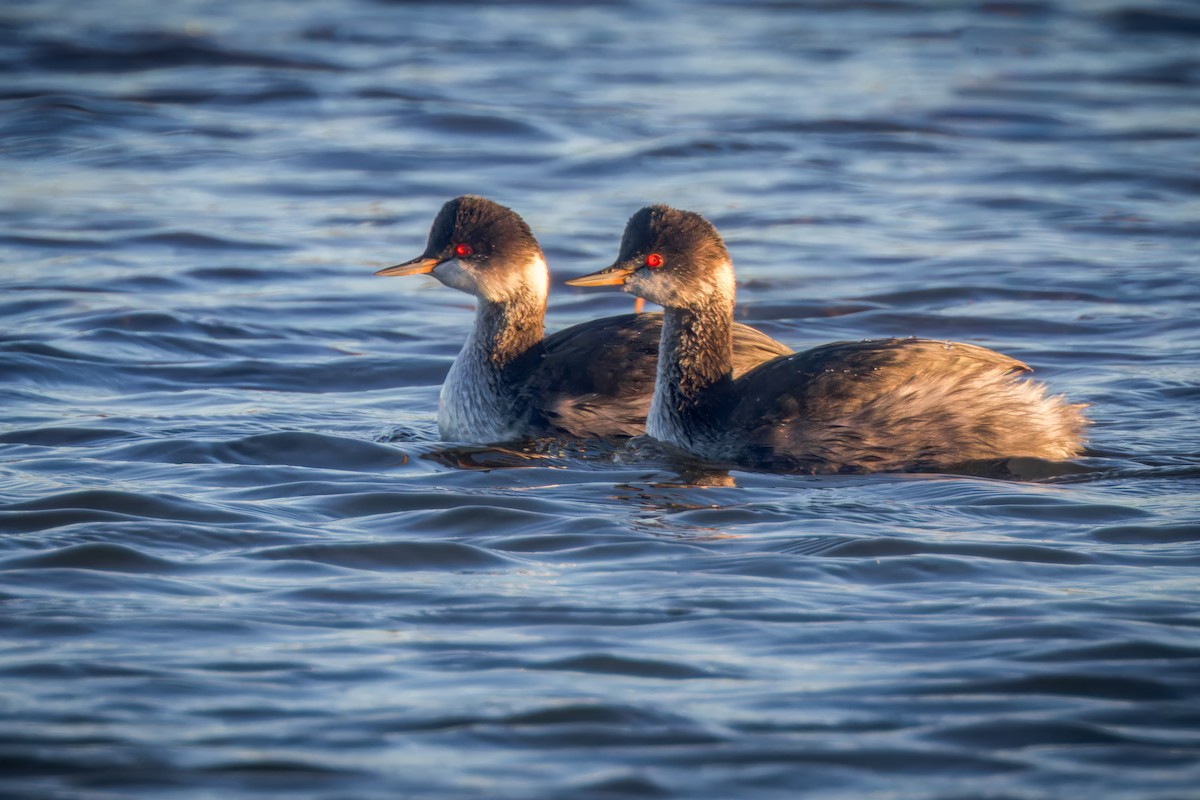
[(695, 379)]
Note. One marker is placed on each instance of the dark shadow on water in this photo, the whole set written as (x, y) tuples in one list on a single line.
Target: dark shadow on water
[(483, 457), (1020, 468), (1153, 472), (683, 470), (549, 452)]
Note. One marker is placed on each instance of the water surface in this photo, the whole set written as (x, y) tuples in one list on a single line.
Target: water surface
[(237, 561)]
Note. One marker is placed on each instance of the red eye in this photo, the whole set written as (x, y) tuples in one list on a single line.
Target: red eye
[(654, 261), (463, 250)]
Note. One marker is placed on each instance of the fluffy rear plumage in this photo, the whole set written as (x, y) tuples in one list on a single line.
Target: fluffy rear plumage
[(896, 404)]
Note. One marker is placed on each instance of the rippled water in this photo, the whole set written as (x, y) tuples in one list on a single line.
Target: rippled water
[(236, 561)]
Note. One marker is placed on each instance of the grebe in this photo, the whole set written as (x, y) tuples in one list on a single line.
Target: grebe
[(881, 405), (508, 382)]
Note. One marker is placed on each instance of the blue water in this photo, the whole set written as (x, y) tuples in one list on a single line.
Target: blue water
[(236, 562)]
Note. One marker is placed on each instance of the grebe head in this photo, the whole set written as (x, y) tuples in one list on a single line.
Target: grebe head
[(482, 248), (670, 257)]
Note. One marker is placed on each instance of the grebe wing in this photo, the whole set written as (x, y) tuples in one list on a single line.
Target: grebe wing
[(595, 379), (844, 375), (752, 347)]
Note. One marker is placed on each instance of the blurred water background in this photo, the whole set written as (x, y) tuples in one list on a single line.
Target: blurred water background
[(236, 561)]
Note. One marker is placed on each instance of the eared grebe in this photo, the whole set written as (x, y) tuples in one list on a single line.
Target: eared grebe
[(887, 404), (508, 383)]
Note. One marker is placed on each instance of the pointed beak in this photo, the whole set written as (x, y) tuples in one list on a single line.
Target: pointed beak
[(417, 266), (615, 275)]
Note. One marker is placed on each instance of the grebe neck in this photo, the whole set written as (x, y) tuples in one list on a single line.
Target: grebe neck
[(695, 363), (478, 400), (505, 329)]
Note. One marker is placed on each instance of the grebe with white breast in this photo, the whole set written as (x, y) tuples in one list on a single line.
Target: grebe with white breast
[(508, 383)]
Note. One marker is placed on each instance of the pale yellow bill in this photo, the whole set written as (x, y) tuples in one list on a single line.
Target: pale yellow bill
[(418, 266), (609, 276)]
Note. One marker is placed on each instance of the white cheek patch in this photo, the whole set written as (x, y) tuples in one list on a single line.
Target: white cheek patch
[(498, 284), (642, 284), (504, 282), (456, 276), (718, 283), (724, 284), (537, 276)]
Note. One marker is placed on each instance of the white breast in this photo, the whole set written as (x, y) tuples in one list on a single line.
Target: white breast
[(475, 404), (471, 407)]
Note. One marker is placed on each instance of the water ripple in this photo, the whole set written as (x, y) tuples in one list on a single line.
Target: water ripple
[(236, 559)]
